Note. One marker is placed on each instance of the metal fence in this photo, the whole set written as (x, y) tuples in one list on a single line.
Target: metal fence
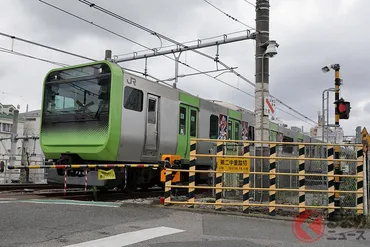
[(276, 177)]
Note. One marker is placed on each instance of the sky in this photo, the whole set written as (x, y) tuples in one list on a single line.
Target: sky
[(311, 34)]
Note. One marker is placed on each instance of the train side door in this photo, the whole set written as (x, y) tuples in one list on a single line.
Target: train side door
[(151, 138), (188, 129), (233, 129)]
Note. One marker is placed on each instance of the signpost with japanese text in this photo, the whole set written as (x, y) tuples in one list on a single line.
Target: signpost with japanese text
[(233, 164)]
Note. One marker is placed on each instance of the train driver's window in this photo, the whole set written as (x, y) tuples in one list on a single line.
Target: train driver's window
[(213, 127)]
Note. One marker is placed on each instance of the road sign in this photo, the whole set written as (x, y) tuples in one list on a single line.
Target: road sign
[(307, 230), (233, 164), (365, 138), (269, 106)]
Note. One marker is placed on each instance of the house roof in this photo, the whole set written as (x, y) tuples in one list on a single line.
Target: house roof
[(8, 106)]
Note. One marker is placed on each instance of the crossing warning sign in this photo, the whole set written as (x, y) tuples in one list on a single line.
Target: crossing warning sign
[(233, 164), (269, 106)]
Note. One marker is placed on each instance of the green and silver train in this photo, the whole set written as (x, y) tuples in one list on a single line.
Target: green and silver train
[(98, 113)]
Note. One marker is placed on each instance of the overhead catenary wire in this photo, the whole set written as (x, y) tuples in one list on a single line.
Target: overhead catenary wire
[(233, 18), (2, 49), (158, 80), (250, 3), (92, 5), (159, 35), (191, 67), (101, 9), (42, 45)]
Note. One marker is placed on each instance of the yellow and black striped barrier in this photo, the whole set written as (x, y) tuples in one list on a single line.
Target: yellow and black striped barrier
[(191, 194), (218, 182), (301, 178), (77, 166), (360, 180), (237, 164), (272, 177), (246, 152), (331, 187), (168, 188)]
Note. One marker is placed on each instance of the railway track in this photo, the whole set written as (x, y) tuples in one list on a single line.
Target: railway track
[(78, 193), (19, 187)]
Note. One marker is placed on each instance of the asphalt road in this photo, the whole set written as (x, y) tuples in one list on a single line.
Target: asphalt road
[(38, 225)]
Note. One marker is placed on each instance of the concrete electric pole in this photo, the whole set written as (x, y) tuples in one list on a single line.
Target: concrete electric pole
[(265, 48), (262, 68)]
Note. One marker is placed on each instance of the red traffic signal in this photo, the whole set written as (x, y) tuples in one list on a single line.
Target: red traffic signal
[(343, 109)]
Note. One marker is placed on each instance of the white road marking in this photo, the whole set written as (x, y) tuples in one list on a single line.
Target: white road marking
[(128, 238)]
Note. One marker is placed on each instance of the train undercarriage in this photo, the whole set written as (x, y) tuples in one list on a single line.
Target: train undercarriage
[(131, 177)]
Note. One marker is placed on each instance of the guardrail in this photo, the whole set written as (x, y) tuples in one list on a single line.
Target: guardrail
[(337, 184)]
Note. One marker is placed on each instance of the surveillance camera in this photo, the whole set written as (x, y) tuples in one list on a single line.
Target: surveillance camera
[(271, 50), (326, 69)]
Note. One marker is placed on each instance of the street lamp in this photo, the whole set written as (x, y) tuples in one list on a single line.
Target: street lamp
[(271, 51)]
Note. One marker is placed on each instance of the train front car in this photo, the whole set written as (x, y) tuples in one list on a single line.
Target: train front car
[(80, 124)]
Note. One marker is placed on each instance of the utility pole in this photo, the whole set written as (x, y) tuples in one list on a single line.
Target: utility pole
[(337, 170), (13, 147), (262, 81)]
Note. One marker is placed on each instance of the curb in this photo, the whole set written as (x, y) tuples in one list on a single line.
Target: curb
[(210, 211), (232, 213)]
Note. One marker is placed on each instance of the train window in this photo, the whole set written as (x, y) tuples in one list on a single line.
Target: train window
[(151, 111), (230, 129), (193, 123), (213, 127), (287, 148), (133, 99), (237, 131), (182, 122)]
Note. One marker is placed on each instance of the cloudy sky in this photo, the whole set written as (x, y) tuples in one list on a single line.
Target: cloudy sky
[(311, 34)]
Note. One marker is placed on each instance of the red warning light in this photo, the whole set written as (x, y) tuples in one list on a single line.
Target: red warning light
[(342, 107)]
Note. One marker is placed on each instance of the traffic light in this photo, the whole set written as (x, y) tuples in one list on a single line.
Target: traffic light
[(343, 108)]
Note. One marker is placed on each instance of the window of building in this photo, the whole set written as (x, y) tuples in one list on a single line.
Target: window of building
[(6, 127), (213, 127), (182, 121), (133, 99)]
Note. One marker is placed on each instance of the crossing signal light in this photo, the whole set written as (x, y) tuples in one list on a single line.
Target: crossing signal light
[(343, 109)]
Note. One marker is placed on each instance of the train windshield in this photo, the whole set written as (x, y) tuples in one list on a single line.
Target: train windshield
[(80, 94)]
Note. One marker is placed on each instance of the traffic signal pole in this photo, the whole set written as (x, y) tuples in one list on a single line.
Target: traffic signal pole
[(337, 170)]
